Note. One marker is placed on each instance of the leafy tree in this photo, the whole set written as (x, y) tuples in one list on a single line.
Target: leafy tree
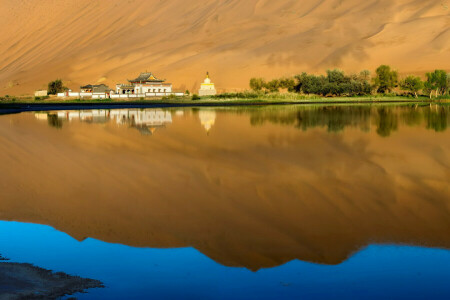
[(287, 83), (385, 79), (364, 75), (257, 84), (55, 87), (336, 76), (437, 81), (273, 85), (195, 97), (412, 84)]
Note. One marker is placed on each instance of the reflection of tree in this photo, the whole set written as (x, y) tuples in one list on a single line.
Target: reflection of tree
[(412, 116), (334, 118), (437, 119), (337, 118), (387, 121), (54, 121)]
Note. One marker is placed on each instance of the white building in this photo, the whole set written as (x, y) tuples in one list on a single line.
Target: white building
[(207, 88), (41, 93), (145, 85)]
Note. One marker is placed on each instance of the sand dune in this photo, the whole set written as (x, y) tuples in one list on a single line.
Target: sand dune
[(109, 41)]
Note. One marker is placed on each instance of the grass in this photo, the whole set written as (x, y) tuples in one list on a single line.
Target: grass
[(247, 98)]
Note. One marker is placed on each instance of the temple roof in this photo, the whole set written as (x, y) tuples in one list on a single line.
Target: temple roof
[(146, 77)]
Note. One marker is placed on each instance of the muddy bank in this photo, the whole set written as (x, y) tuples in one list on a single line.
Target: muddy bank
[(25, 281)]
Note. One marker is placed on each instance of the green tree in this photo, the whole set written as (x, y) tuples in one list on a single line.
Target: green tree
[(364, 75), (412, 84), (336, 76), (438, 82), (55, 87), (257, 84), (273, 85), (385, 79), (287, 83)]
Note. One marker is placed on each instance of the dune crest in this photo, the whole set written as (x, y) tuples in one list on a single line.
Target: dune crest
[(110, 41)]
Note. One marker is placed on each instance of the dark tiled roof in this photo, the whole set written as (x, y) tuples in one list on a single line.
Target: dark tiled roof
[(146, 77), (100, 88)]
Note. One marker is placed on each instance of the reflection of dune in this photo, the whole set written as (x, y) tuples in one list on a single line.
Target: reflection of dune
[(245, 196), (110, 40)]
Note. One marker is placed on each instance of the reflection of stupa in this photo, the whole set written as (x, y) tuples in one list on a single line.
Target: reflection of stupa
[(207, 119), (207, 87)]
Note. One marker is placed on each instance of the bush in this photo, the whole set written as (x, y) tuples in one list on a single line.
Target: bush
[(55, 87), (245, 95), (195, 97), (37, 98)]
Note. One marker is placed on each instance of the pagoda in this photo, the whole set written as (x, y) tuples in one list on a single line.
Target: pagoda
[(207, 87)]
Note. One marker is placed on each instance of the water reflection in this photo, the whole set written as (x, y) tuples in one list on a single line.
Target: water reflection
[(256, 192), (337, 118)]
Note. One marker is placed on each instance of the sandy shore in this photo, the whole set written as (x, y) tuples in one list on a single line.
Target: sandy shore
[(25, 281)]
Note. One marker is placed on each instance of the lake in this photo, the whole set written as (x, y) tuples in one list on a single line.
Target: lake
[(266, 202)]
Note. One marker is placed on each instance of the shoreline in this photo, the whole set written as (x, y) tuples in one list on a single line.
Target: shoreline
[(26, 281), (17, 107)]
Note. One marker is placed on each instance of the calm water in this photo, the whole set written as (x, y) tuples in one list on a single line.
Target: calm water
[(311, 202)]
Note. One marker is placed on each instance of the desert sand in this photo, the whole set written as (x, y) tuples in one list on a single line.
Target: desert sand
[(109, 41)]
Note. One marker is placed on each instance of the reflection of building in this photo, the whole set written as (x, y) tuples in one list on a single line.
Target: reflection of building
[(146, 121), (41, 116), (207, 87), (207, 119)]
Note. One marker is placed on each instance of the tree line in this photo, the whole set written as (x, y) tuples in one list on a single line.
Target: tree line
[(337, 83)]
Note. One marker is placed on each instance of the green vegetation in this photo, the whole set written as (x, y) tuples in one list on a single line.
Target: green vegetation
[(386, 79), (55, 87), (439, 82), (195, 97), (41, 98), (413, 84), (337, 84)]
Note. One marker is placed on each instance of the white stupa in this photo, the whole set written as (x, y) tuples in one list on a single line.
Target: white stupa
[(207, 87)]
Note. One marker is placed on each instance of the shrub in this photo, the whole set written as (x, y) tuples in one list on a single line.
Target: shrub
[(195, 97), (37, 98), (55, 87)]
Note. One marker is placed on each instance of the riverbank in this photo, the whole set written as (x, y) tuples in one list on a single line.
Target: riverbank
[(25, 281), (10, 106)]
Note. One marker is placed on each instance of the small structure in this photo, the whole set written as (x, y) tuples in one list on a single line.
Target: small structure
[(41, 93), (100, 91), (146, 85), (207, 87), (95, 89)]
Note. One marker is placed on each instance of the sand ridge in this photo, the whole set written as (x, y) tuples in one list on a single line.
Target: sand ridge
[(110, 41)]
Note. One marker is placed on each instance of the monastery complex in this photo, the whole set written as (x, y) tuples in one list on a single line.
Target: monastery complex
[(146, 85)]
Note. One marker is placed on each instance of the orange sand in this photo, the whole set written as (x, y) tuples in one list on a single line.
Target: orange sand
[(109, 41)]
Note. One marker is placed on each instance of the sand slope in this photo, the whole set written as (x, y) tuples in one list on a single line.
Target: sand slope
[(109, 41)]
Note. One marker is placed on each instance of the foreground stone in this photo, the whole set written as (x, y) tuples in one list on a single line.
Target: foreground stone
[(25, 281)]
